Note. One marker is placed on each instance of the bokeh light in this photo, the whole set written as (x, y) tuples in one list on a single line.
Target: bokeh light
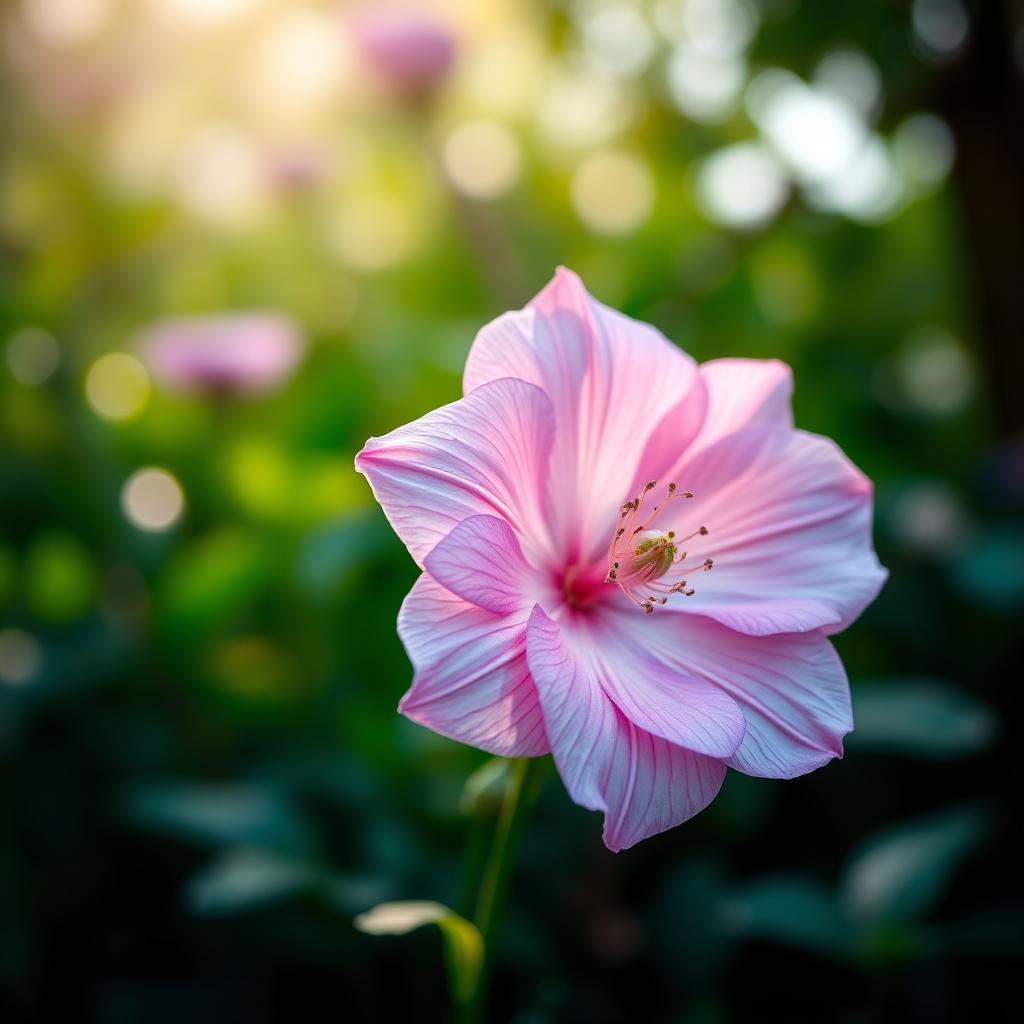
[(298, 64), (32, 355), (221, 177), (202, 12), (705, 87), (742, 186), (930, 518), (152, 499), (582, 107), (924, 150), (851, 76), (617, 39), (372, 231), (613, 192), (60, 23), (817, 133), (869, 188), (712, 26), (939, 27), (117, 386), (936, 372), (20, 657), (481, 159)]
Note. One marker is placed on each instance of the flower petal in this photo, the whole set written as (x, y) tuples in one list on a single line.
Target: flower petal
[(662, 699), (486, 453), (472, 683), (791, 687), (789, 521), (744, 393), (482, 562), (612, 382), (643, 784)]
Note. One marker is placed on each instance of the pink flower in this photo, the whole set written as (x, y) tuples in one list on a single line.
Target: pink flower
[(226, 352), (407, 48), (566, 512)]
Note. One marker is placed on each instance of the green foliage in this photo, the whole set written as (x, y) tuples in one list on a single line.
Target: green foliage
[(464, 947)]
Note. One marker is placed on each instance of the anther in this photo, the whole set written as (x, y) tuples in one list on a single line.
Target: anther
[(648, 554)]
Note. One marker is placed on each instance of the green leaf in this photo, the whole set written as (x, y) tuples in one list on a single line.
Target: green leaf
[(799, 911), (921, 717), (901, 873), (219, 814), (464, 946), (244, 878)]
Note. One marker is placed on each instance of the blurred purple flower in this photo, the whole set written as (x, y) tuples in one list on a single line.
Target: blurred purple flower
[(406, 47), (228, 352)]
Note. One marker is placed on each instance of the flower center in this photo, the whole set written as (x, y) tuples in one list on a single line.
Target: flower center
[(640, 559)]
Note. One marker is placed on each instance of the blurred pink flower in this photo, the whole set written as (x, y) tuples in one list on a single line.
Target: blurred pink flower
[(406, 47), (223, 353), (558, 609), (294, 169)]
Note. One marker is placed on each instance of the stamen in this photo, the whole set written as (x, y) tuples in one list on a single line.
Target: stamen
[(640, 556)]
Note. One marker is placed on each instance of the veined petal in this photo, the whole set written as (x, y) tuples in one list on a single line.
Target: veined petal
[(744, 393), (487, 453), (789, 521), (791, 686), (482, 562), (472, 683), (660, 698), (613, 382), (642, 783)]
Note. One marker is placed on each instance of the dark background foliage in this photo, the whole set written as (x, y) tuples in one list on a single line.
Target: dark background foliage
[(204, 776)]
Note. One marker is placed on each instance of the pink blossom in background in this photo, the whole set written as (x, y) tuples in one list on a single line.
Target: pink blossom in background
[(242, 352), (630, 561), (295, 169), (406, 47)]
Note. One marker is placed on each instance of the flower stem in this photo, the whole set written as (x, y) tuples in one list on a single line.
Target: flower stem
[(494, 884)]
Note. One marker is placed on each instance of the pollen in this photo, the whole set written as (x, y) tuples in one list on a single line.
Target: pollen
[(645, 562)]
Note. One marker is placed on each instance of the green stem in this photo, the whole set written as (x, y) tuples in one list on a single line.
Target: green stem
[(494, 885)]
